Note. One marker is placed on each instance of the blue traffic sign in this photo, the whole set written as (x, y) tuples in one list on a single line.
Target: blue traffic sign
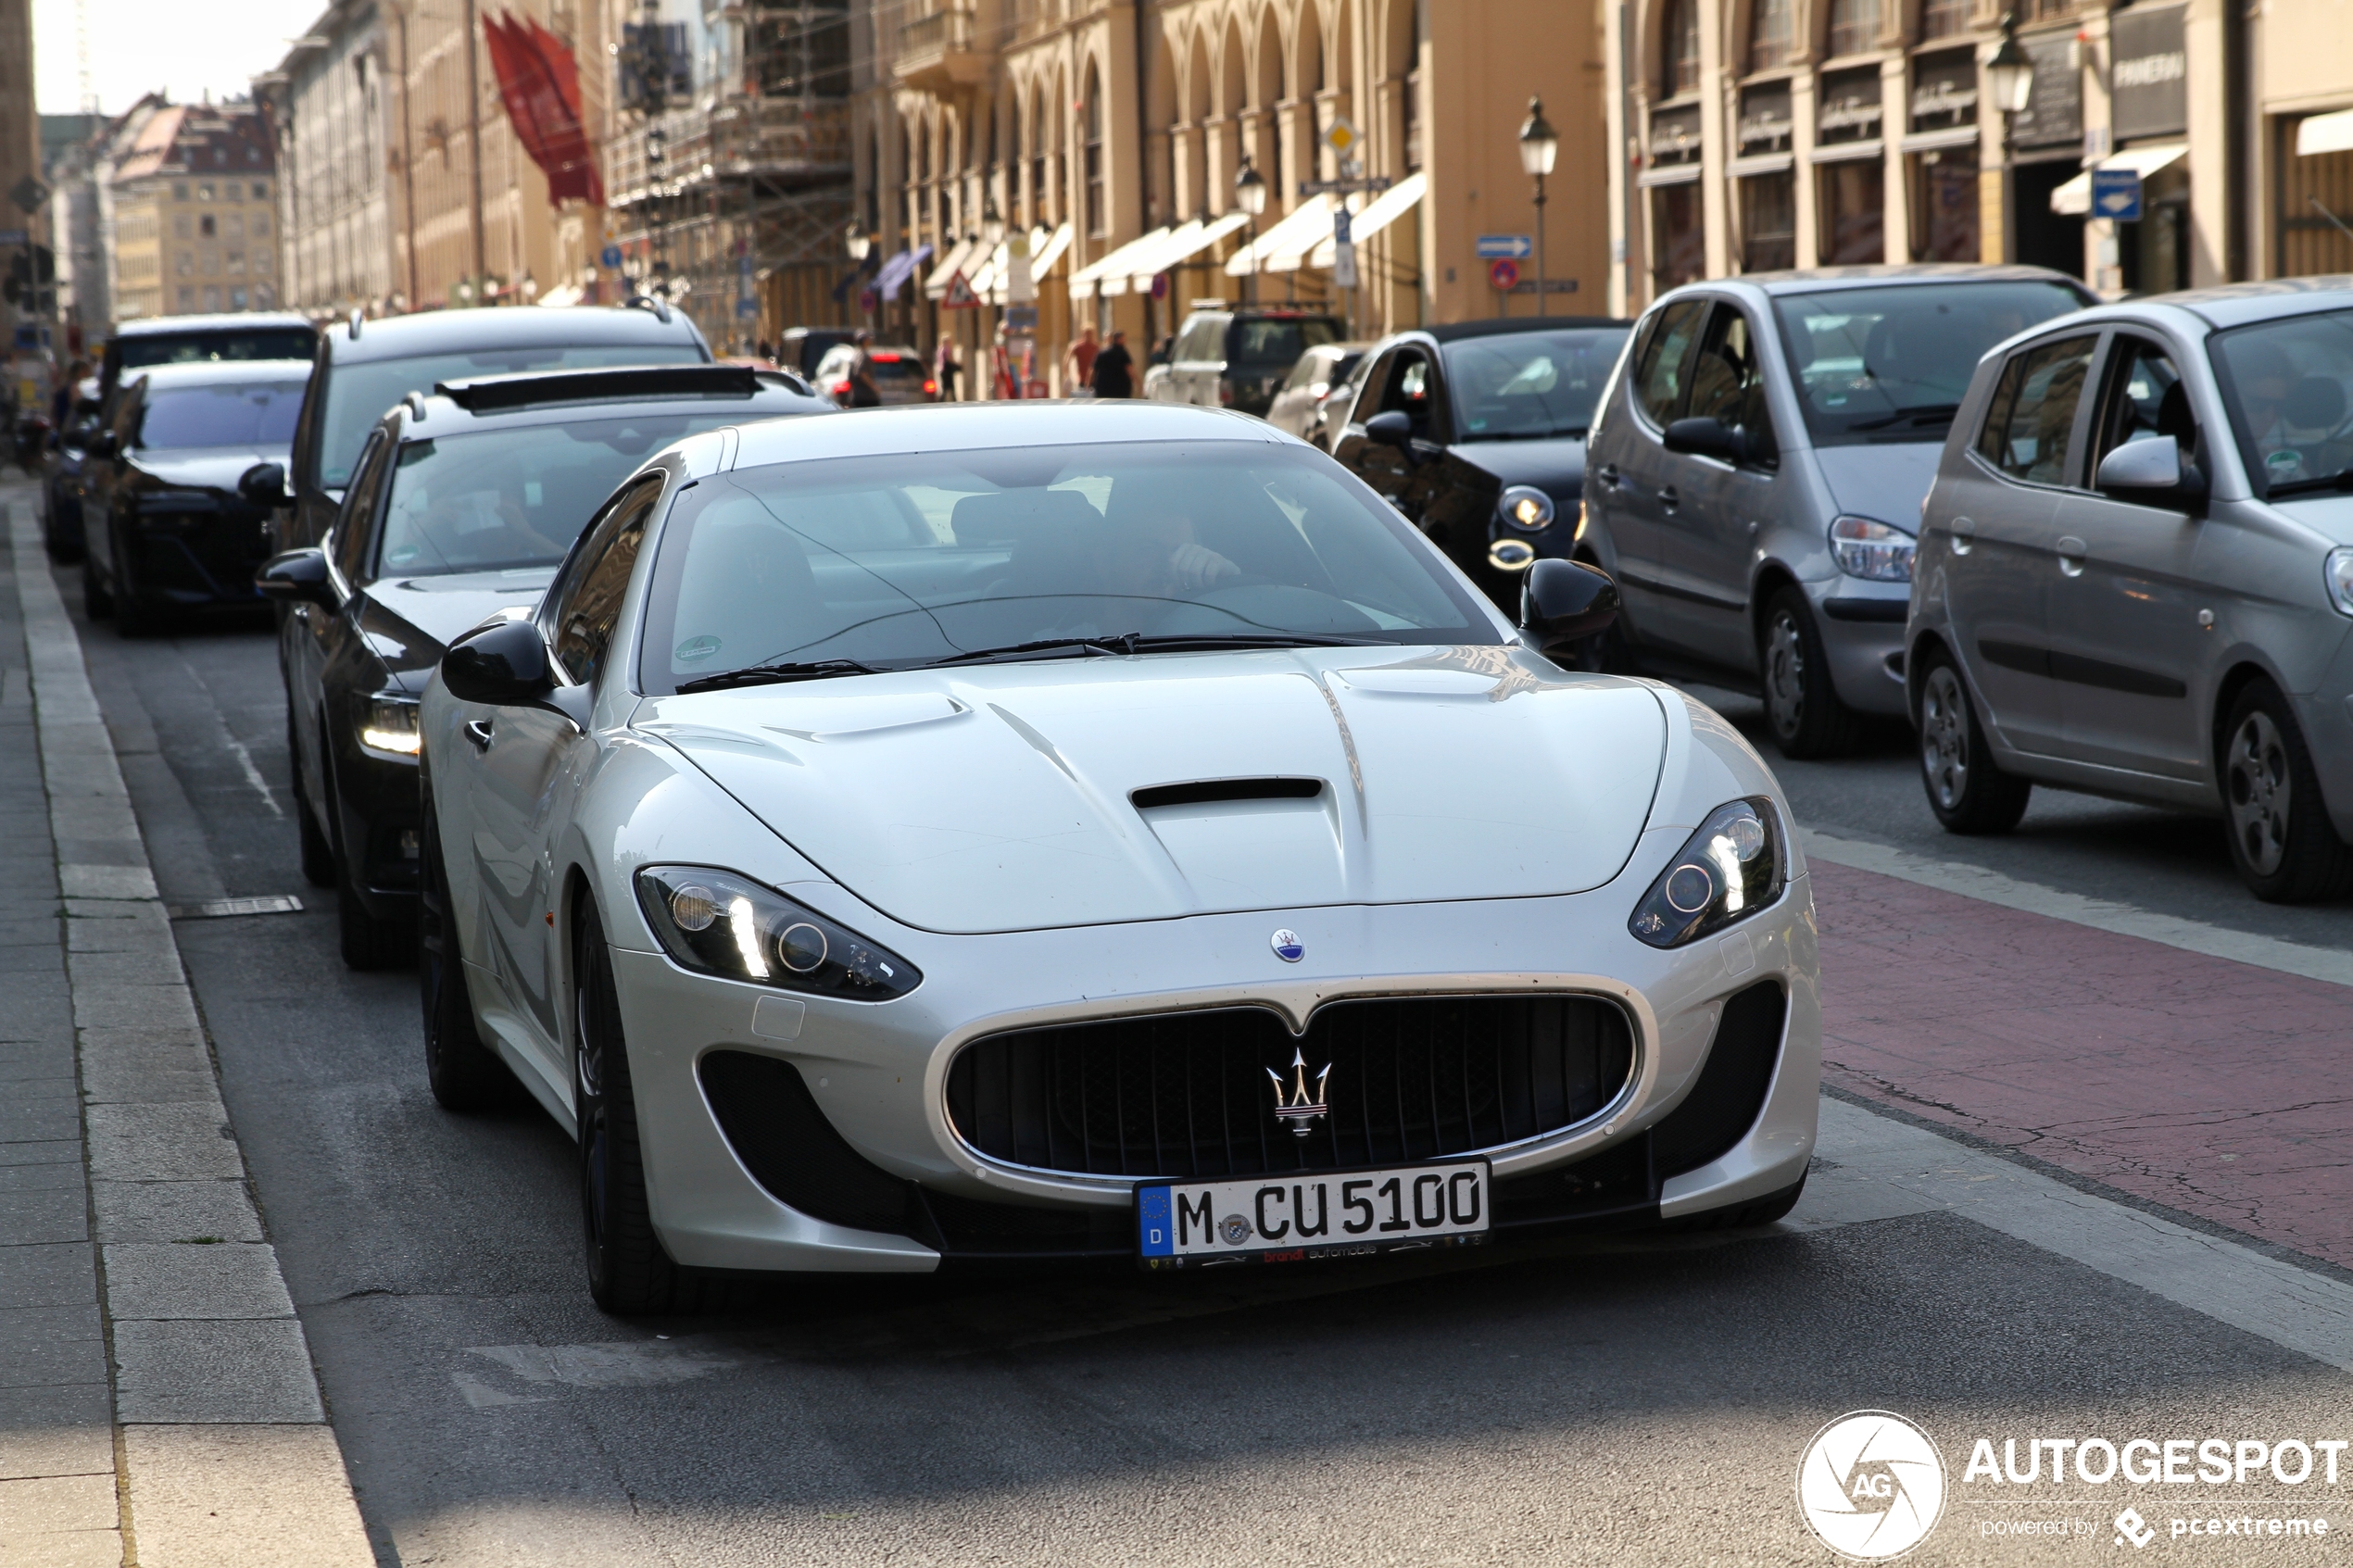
[(747, 307), (2116, 192), (609, 257), (1505, 247)]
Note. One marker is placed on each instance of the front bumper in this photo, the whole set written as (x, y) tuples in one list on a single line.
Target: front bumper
[(1862, 627), (876, 1072)]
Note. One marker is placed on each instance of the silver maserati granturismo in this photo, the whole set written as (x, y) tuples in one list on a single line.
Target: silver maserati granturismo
[(988, 834)]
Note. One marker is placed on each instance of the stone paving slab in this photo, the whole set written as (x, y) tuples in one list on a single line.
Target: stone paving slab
[(173, 1211), (252, 1497), (215, 1373), (186, 1279), (58, 1429)]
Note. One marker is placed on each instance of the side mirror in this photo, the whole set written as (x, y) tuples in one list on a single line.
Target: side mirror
[(107, 444), (1392, 429), (1707, 437), (1564, 602), (503, 665), (264, 485), (2151, 473), (297, 577)]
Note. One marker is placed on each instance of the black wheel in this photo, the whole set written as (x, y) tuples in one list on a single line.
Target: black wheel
[(2281, 840), (1968, 792), (318, 854), (1802, 708), (369, 941), (132, 618), (96, 603), (628, 1272), (465, 1073), (1741, 1216)]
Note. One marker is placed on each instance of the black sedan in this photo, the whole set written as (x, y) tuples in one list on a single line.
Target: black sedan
[(461, 506), (61, 482), (1475, 432), (178, 490)]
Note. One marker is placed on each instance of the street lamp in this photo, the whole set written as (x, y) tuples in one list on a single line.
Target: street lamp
[(1250, 194), (2009, 74), (1538, 145), (861, 244)]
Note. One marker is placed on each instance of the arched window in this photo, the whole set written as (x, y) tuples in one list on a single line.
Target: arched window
[(1098, 218), (1040, 184), (1679, 48), (1854, 27), (1772, 33)]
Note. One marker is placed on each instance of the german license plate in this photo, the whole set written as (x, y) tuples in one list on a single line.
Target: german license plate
[(1324, 1214)]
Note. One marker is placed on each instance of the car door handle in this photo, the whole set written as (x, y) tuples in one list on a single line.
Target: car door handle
[(478, 732), (2071, 556), (1667, 499), (1607, 474), (1964, 533)]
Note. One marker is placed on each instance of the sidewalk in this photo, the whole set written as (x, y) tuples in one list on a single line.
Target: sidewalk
[(157, 1403)]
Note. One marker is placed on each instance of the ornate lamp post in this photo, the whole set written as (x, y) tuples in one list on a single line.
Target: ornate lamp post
[(2009, 78), (1250, 194), (1538, 145)]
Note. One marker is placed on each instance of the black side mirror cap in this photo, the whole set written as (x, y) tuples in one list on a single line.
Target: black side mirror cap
[(501, 665), (1707, 437), (1564, 602), (296, 577), (1392, 429), (264, 485)]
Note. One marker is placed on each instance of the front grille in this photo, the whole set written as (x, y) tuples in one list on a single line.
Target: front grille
[(1187, 1095)]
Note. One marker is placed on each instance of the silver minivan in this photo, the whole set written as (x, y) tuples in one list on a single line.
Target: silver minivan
[(1756, 468), (2135, 575)]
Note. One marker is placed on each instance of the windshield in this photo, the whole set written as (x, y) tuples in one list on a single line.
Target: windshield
[(359, 393), (2286, 384), (1891, 363), (239, 414), (1531, 385), (505, 498), (138, 351), (906, 561), (1258, 338)]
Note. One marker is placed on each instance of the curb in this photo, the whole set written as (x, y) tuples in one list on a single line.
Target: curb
[(222, 1451)]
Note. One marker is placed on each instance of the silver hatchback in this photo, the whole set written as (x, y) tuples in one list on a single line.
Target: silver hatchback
[(2135, 575), (1757, 465)]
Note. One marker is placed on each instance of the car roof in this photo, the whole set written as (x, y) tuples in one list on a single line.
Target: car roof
[(215, 372), (956, 426), (227, 325), (452, 331), (1811, 279), (535, 397), (2235, 305), (1454, 331)]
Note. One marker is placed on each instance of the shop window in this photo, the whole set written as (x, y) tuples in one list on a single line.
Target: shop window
[(1098, 215), (1772, 34), (2316, 202), (1854, 230), (1679, 235), (1678, 49), (1945, 200), (1944, 18), (1769, 222), (1854, 27)]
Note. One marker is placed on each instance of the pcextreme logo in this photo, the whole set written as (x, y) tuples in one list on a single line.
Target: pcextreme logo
[(1872, 1485)]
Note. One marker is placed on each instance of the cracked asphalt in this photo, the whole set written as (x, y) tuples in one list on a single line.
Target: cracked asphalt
[(1638, 1403)]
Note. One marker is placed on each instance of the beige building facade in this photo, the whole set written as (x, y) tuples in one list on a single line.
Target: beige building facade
[(191, 224)]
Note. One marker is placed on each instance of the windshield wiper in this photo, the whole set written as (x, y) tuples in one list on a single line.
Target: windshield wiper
[(1927, 413), (773, 674), (1132, 642), (2341, 480)]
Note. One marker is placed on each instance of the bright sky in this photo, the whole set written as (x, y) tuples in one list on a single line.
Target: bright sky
[(139, 45)]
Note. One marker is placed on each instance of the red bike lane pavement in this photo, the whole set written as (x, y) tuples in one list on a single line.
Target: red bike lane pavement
[(2214, 1087)]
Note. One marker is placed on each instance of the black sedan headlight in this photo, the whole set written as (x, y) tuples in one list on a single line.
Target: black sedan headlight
[(1733, 867), (717, 922), (1525, 507)]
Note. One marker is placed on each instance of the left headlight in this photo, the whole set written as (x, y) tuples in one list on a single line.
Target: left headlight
[(1875, 551), (2339, 570), (1729, 870), (720, 923), (388, 728), (1525, 507)]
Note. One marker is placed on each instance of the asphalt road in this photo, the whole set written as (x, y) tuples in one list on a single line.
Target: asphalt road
[(1571, 1403)]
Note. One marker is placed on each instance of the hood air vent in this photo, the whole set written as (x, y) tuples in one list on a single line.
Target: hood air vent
[(1202, 791)]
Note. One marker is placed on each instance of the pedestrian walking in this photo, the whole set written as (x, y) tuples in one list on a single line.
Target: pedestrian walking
[(1115, 370), (945, 369), (863, 393), (1078, 365)]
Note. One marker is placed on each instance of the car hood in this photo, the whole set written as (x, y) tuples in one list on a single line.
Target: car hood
[(1557, 467), (409, 621), (2330, 517), (209, 468), (998, 797), (1885, 482)]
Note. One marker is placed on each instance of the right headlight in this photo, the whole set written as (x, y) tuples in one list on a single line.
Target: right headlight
[(720, 923), (1875, 551), (2339, 576), (1729, 870), (1525, 507)]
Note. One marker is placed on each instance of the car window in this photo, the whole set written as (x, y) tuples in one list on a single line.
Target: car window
[(1661, 379), (585, 606), (2146, 401), (1311, 368), (1412, 390), (802, 562), (240, 414), (2032, 410), (1203, 338), (137, 351), (349, 544), (1727, 384), (1261, 340), (2289, 387), (1530, 385)]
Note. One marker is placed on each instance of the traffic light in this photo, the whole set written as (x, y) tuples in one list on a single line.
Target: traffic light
[(30, 271)]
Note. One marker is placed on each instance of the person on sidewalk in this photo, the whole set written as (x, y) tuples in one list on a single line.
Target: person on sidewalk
[(945, 369), (863, 393), (1078, 365), (1115, 370)]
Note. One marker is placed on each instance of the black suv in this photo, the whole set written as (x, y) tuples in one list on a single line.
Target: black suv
[(1237, 359)]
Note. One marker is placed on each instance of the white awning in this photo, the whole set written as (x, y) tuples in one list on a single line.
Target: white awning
[(1298, 231), (563, 294), (1057, 244), (960, 256), (1386, 208), (1045, 248), (2074, 198), (987, 272), (1938, 141), (1109, 273), (2324, 133), (1185, 244)]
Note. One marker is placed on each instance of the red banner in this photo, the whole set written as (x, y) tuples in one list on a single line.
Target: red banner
[(539, 81)]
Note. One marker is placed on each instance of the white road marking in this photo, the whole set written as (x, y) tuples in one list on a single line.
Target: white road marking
[(253, 774), (2125, 920)]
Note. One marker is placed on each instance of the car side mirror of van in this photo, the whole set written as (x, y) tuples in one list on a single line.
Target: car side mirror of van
[(264, 485), (297, 577), (1395, 428), (1564, 602), (2151, 473), (1704, 437), (501, 665)]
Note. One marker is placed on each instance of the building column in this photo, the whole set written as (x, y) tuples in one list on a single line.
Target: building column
[(1895, 185), (1715, 131), (1221, 153), (2214, 197), (1803, 193)]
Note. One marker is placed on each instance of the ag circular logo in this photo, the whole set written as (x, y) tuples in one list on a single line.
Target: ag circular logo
[(1234, 1229), (1871, 1485)]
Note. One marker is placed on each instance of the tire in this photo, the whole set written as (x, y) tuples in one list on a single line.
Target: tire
[(96, 603), (1742, 1216), (466, 1075), (2281, 840), (1968, 794), (369, 942), (318, 854), (1802, 708), (131, 618), (629, 1275)]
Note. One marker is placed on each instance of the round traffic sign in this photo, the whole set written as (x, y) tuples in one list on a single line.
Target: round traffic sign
[(1503, 273), (1160, 285), (867, 300)]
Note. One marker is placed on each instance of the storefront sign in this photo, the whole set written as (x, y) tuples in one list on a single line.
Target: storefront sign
[(2151, 75), (2055, 106), (1944, 91), (1765, 120), (1675, 135), (1850, 107)]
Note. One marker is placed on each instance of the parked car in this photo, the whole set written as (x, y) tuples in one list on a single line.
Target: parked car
[(1320, 370), (1237, 357), (462, 504), (179, 488), (365, 367), (930, 841), (61, 480), (184, 340), (2135, 576), (804, 348), (1331, 414), (1755, 477), (900, 374), (1475, 432)]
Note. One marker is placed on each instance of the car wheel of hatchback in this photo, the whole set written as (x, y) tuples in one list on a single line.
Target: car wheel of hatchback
[(464, 1072), (2281, 840), (1800, 706), (1968, 792)]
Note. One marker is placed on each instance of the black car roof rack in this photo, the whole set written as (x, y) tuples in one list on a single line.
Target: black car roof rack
[(485, 395), (660, 308)]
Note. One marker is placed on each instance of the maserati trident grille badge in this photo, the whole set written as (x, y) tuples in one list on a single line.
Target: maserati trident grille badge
[(1293, 1106), (1288, 946)]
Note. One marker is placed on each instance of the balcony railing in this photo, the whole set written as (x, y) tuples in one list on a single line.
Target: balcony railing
[(778, 140), (944, 49)]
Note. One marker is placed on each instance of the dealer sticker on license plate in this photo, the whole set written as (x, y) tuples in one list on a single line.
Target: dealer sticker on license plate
[(1322, 1214)]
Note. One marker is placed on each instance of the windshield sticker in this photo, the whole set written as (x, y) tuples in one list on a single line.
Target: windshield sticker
[(2283, 464)]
